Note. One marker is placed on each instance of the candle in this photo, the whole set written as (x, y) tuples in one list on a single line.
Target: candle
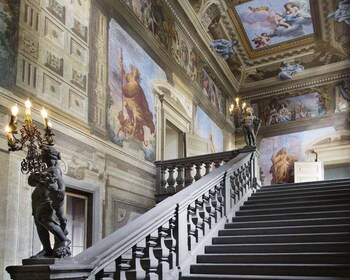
[(13, 122), (49, 127), (14, 110), (27, 115), (232, 107), (243, 105), (9, 134), (44, 115), (237, 100)]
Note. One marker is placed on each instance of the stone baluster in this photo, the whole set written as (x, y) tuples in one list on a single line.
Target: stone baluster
[(188, 175), (136, 271), (214, 204), (198, 171), (171, 180), (246, 177), (217, 163), (180, 178), (200, 224), (207, 165), (170, 242), (162, 179), (122, 266), (221, 197), (239, 182), (192, 225), (162, 252), (207, 209), (149, 262)]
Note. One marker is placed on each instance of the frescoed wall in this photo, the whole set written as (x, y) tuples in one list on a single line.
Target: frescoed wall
[(132, 109), (269, 22), (295, 108), (211, 91), (9, 21), (156, 18), (279, 153), (183, 51), (207, 129)]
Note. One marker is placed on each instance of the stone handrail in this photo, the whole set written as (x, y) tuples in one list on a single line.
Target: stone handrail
[(157, 243)]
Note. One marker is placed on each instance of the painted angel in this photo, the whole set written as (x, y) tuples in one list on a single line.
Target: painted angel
[(262, 40), (224, 47), (287, 70), (295, 14), (342, 13)]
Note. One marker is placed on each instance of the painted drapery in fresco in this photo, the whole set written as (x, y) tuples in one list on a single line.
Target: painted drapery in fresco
[(270, 22), (132, 117), (207, 129)]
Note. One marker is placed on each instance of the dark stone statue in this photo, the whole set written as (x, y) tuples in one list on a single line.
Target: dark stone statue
[(250, 126), (47, 206)]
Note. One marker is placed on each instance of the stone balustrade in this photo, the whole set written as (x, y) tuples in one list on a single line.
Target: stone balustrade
[(161, 243)]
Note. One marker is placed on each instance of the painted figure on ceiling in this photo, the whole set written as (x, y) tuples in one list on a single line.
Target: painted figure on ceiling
[(224, 47), (135, 103), (262, 40), (276, 21), (288, 69), (342, 13), (296, 15)]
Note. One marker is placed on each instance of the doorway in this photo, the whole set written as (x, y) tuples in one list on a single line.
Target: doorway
[(174, 142)]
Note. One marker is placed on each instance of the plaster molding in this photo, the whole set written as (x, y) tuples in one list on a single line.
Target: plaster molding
[(299, 80), (205, 38)]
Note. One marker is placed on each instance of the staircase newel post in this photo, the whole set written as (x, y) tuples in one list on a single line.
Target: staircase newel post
[(181, 234), (227, 195), (255, 170)]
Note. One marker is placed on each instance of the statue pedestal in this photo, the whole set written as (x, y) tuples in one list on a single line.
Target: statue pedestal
[(49, 268)]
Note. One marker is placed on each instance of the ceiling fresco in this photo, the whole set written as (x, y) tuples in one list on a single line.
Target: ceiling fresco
[(270, 22), (275, 33)]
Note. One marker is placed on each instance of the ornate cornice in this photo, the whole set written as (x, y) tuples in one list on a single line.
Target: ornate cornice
[(314, 83), (221, 68)]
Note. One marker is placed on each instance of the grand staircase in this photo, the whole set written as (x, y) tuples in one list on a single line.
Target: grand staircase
[(219, 224), (293, 231)]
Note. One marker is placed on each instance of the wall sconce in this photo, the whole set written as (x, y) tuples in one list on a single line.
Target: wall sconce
[(30, 139)]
